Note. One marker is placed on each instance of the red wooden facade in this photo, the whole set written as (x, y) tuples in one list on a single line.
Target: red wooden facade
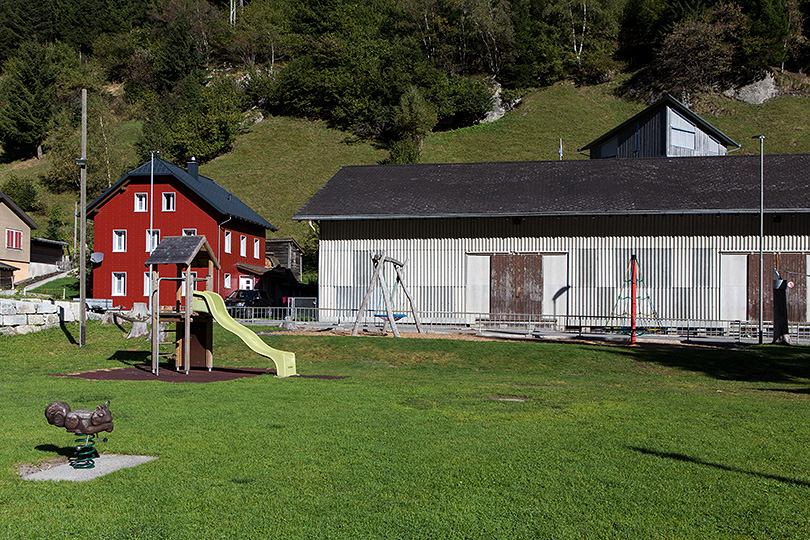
[(121, 221)]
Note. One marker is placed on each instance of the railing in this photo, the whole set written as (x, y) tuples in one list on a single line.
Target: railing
[(528, 325)]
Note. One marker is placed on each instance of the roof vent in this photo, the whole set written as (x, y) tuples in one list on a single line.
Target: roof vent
[(192, 167)]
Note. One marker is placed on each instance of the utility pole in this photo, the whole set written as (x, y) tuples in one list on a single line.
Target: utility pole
[(82, 163)]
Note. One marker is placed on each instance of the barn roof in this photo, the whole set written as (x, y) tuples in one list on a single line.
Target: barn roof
[(682, 185), (217, 196), (672, 103)]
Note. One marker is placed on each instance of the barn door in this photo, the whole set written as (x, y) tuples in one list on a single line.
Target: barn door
[(516, 283), (796, 263)]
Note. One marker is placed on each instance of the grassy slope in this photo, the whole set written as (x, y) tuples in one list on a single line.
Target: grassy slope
[(613, 442), (280, 163)]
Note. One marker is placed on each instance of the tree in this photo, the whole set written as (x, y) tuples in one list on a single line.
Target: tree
[(694, 56), (22, 191), (413, 119), (27, 93)]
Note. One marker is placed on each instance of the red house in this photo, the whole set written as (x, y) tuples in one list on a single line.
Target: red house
[(180, 202)]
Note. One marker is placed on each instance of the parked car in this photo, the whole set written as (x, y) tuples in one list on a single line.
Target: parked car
[(246, 298)]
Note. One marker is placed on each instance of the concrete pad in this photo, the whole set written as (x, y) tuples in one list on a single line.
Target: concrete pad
[(105, 464)]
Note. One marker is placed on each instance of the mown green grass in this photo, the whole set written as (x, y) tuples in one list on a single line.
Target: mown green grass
[(612, 442), (62, 288)]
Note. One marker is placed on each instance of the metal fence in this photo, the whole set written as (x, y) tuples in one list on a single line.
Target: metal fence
[(526, 325)]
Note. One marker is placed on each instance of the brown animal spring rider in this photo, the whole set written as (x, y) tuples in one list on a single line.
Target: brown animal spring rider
[(81, 422)]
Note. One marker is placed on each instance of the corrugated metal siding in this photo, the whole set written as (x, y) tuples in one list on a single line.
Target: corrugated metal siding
[(679, 257)]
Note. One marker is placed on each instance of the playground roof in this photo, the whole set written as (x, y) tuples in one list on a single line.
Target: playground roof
[(183, 250), (212, 193), (684, 185)]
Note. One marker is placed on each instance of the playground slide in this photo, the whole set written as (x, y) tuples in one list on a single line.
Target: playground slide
[(211, 302)]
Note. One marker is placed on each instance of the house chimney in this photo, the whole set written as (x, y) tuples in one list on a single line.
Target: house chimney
[(192, 167)]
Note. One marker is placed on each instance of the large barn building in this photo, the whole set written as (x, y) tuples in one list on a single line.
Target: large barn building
[(555, 238)]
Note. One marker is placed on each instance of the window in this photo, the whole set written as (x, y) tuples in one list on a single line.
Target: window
[(168, 202), (243, 246), (227, 241), (147, 284), (13, 239), (141, 202), (119, 284), (119, 241), (152, 239), (682, 132), (227, 281), (189, 232), (257, 248), (245, 282)]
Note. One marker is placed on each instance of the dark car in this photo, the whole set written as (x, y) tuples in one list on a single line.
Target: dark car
[(245, 298)]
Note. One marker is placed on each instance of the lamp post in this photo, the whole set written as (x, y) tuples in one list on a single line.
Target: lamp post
[(761, 220), (151, 235)]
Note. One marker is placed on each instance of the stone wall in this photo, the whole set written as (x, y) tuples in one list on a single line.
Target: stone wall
[(32, 315)]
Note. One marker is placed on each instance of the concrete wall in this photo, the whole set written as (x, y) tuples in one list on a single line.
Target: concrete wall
[(32, 315)]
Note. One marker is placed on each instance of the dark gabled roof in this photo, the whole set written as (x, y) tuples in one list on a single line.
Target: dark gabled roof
[(217, 196), (183, 250), (673, 103), (578, 187), (17, 210)]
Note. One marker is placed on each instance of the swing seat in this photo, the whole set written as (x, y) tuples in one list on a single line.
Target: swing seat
[(397, 316)]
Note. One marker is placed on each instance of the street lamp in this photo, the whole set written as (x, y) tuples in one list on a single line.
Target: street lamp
[(761, 220), (151, 235)]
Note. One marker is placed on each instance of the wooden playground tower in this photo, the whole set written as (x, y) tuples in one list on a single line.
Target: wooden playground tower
[(193, 344)]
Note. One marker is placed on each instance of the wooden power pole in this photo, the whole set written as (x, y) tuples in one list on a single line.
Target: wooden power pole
[(82, 162)]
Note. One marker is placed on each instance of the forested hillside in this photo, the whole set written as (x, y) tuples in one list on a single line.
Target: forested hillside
[(341, 81)]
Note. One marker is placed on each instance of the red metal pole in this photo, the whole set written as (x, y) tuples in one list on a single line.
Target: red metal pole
[(633, 296)]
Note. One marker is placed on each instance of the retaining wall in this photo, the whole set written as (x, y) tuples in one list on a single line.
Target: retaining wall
[(32, 315)]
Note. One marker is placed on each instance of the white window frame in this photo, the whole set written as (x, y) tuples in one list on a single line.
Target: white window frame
[(169, 199), (257, 248), (119, 284), (119, 241), (683, 133), (227, 241), (14, 239), (226, 281), (189, 232), (247, 281), (141, 202), (155, 239), (242, 245), (147, 284)]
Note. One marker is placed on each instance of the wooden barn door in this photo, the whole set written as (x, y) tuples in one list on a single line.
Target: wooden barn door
[(796, 297), (516, 283)]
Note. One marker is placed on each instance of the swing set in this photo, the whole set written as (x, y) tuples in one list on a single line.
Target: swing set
[(390, 316)]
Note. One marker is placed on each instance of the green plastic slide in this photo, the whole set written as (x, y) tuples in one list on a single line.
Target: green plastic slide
[(211, 302)]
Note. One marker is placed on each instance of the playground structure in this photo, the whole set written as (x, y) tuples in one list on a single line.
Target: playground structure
[(193, 312), (639, 299), (390, 317)]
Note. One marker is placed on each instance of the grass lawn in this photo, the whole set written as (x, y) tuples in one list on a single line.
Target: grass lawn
[(62, 288), (611, 442)]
